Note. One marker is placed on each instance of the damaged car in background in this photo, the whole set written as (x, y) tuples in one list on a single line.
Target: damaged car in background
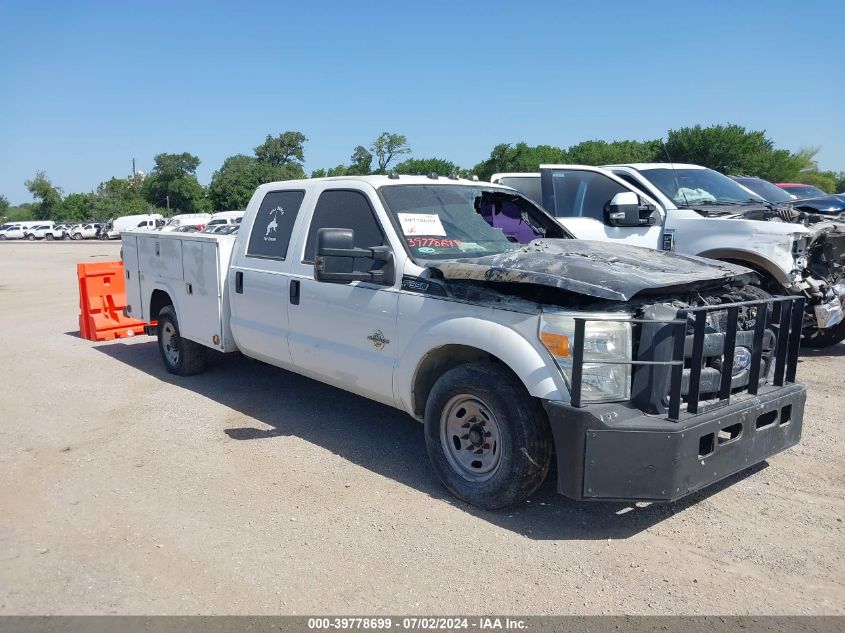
[(698, 211), (645, 374)]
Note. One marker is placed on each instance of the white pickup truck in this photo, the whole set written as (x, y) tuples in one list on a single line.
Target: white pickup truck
[(694, 210), (647, 374)]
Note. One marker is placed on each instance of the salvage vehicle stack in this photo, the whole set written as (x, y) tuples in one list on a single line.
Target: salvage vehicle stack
[(693, 210), (648, 374)]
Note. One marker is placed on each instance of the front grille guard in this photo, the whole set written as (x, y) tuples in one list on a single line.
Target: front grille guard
[(786, 318)]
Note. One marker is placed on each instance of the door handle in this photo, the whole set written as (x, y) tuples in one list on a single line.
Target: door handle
[(239, 282), (294, 291)]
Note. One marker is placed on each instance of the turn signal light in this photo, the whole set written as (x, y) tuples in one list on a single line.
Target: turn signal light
[(557, 344)]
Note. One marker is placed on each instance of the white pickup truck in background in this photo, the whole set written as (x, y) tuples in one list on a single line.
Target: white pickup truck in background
[(698, 211), (648, 374)]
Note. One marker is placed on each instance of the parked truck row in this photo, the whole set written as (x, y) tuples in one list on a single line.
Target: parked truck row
[(641, 373), (49, 230)]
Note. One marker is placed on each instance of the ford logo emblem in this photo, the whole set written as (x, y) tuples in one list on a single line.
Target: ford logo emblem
[(742, 360)]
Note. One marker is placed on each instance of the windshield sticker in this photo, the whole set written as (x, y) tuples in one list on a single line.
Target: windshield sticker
[(426, 250), (421, 224), (429, 242), (472, 246)]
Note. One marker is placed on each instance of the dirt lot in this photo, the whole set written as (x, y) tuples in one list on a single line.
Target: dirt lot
[(252, 490)]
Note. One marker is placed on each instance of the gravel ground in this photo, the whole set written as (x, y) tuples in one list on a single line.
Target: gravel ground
[(251, 490)]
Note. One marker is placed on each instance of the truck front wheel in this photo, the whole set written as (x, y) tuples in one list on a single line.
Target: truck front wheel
[(181, 356), (488, 440)]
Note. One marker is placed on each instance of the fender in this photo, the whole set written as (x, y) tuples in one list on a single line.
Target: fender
[(164, 286), (508, 343), (754, 260)]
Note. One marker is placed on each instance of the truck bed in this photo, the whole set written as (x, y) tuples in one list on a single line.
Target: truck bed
[(191, 268)]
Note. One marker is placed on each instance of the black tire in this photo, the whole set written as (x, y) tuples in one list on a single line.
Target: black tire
[(49, 237), (2, 237), (77, 236), (180, 356), (66, 236), (817, 338), (525, 440), (811, 335), (31, 237)]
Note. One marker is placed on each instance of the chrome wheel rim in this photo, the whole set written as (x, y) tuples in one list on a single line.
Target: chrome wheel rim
[(170, 343), (470, 438)]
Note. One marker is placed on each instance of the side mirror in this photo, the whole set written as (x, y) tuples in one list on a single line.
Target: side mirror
[(336, 255), (624, 210)]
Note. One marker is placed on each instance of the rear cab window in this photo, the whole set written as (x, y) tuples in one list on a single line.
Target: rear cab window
[(273, 224)]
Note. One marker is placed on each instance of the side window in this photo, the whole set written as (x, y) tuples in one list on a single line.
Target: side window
[(583, 193), (273, 224), (528, 186), (344, 209)]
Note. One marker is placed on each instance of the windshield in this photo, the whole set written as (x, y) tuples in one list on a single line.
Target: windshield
[(804, 191), (448, 221), (687, 187), (764, 189)]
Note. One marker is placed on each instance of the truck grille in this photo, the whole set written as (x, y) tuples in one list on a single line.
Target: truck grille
[(700, 357)]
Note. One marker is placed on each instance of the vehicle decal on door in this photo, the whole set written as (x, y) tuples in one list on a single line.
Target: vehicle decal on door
[(378, 340)]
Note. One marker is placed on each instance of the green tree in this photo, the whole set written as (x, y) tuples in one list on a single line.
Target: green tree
[(4, 205), (731, 149), (234, 183), (520, 157), (840, 182), (174, 180), (426, 166), (77, 207), (49, 197), (284, 149), (361, 162), (604, 153), (21, 213), (824, 180), (387, 147), (116, 197)]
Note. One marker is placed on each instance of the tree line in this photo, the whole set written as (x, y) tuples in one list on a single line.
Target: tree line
[(172, 186)]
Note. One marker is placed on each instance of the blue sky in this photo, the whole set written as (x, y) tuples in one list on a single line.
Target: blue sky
[(86, 86)]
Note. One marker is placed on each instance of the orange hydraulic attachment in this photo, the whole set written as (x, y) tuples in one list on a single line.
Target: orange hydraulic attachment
[(102, 297)]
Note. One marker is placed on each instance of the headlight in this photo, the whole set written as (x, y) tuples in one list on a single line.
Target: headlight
[(603, 341)]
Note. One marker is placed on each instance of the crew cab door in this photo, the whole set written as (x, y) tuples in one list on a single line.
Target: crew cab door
[(582, 198), (259, 279), (345, 334)]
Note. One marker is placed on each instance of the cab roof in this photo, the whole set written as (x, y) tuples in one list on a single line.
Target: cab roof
[(386, 181), (640, 166)]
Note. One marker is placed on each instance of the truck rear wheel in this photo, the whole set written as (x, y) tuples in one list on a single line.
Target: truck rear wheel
[(488, 440), (181, 356)]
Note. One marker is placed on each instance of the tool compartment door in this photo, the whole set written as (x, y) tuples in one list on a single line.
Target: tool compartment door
[(129, 254), (200, 319)]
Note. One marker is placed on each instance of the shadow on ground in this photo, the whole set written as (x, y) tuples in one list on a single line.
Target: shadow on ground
[(388, 442)]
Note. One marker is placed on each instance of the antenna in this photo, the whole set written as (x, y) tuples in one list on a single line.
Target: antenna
[(674, 175)]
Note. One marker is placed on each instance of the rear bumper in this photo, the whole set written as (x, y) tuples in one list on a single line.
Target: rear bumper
[(613, 452)]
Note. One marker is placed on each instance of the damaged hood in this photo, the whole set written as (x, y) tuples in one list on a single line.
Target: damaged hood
[(596, 269)]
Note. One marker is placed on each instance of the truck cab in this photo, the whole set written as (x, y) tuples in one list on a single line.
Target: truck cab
[(469, 307)]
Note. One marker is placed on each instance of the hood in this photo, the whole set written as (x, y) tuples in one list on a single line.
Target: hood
[(596, 269), (827, 205)]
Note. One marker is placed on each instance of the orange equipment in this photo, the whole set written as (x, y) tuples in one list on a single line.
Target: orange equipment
[(102, 298)]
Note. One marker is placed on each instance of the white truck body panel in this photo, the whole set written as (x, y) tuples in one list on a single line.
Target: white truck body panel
[(191, 269)]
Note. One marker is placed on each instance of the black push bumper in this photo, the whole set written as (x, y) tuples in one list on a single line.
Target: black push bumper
[(610, 451)]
